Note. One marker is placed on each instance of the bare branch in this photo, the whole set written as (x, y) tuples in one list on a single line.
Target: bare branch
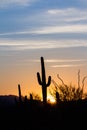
[(79, 79), (61, 80), (83, 82), (55, 84)]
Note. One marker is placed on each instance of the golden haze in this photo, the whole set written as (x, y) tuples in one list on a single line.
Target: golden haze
[(26, 76)]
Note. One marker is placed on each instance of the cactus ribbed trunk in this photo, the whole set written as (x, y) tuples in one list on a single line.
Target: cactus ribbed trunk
[(42, 81)]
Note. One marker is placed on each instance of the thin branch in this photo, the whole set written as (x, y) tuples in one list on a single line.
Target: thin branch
[(61, 80), (79, 79), (55, 84), (83, 82)]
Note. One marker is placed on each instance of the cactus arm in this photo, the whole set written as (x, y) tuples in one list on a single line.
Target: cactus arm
[(49, 81), (39, 79)]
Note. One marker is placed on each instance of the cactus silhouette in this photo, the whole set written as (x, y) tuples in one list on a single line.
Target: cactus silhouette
[(43, 82), (57, 98), (31, 97), (19, 91)]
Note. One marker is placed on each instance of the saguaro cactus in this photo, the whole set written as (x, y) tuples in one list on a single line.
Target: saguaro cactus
[(42, 81), (19, 92)]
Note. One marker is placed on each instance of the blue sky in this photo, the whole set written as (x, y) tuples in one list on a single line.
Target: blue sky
[(43, 20), (29, 29)]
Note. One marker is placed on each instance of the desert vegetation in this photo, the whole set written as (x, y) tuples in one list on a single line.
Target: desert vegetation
[(30, 112), (64, 92)]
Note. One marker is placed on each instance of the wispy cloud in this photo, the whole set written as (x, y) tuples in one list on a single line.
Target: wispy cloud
[(41, 44), (52, 30), (61, 61), (67, 11), (67, 65), (62, 29), (68, 14), (53, 21), (15, 33), (5, 3), (64, 60)]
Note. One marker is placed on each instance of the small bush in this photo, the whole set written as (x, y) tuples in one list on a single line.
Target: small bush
[(68, 92)]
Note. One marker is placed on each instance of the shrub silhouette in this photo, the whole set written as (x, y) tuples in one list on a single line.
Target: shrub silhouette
[(34, 96), (57, 97), (31, 96), (68, 92), (42, 81)]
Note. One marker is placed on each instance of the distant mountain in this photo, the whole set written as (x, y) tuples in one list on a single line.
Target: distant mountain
[(8, 100)]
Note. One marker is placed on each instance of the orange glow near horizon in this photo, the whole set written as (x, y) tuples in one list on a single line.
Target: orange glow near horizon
[(29, 83), (26, 76)]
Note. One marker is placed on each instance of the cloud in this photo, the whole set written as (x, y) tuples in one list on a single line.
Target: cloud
[(67, 11), (67, 65), (61, 61), (64, 60), (62, 29), (15, 33), (40, 20), (52, 30), (5, 3), (68, 14), (40, 44), (67, 20)]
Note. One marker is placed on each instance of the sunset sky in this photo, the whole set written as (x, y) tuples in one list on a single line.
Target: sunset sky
[(29, 29)]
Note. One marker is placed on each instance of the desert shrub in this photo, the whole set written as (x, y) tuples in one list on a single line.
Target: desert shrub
[(34, 96), (68, 92)]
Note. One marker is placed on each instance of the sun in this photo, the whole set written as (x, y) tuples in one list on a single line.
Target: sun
[(50, 99)]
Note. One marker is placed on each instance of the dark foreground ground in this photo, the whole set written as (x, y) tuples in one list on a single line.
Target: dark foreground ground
[(36, 116)]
